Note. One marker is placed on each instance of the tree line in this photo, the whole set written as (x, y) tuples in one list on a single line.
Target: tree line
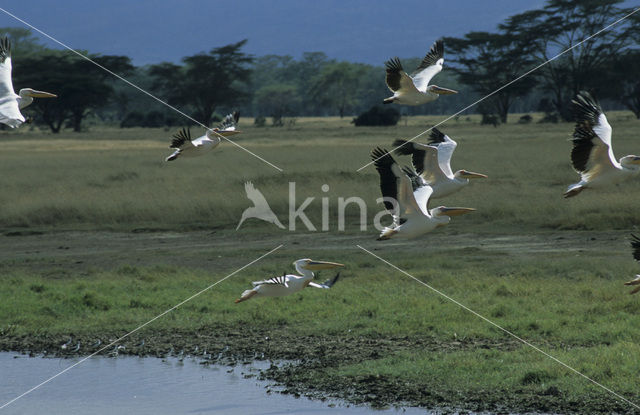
[(209, 84)]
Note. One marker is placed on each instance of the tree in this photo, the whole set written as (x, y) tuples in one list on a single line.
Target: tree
[(80, 85), (206, 80), (277, 101), (624, 82), (337, 86), (23, 41), (487, 61), (560, 25)]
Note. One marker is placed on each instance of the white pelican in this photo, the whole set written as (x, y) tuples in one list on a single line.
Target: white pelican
[(260, 209), (432, 162), (592, 155), (10, 103), (415, 89), (290, 284), (191, 148), (635, 244), (411, 216)]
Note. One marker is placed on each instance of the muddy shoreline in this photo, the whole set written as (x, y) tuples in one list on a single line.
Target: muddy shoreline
[(301, 366)]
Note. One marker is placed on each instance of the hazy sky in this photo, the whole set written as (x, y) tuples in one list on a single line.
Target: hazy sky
[(369, 31)]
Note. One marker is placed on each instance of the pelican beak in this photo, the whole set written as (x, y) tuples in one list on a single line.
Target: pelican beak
[(42, 94), (318, 265), (455, 211), (472, 175), (635, 160), (442, 91), (229, 133)]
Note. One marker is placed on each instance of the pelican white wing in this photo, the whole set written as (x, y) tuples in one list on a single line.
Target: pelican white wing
[(9, 110), (446, 146), (430, 66), (592, 153), (425, 160)]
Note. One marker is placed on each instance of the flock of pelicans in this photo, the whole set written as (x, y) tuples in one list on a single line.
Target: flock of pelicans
[(406, 191)]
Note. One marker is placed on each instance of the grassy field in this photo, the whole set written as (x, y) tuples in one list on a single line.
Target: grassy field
[(99, 236)]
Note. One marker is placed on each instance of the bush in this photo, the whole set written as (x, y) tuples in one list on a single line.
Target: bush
[(260, 121), (490, 119), (377, 116), (525, 119)]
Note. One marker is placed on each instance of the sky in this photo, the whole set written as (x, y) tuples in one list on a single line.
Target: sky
[(153, 31)]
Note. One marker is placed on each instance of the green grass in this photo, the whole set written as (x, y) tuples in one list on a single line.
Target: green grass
[(116, 179), (560, 301)]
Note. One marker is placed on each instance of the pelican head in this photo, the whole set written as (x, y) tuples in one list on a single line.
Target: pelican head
[(28, 92), (450, 211), (440, 90), (464, 174), (311, 265), (631, 162)]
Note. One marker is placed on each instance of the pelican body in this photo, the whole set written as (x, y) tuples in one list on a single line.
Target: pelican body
[(432, 162), (592, 154), (408, 203), (289, 284), (414, 89), (10, 102), (186, 147)]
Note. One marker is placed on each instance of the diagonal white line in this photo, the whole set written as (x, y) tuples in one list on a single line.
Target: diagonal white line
[(140, 327), (500, 327), (138, 88), (507, 84)]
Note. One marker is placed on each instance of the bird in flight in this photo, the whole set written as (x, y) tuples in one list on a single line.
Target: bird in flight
[(288, 284), (414, 89)]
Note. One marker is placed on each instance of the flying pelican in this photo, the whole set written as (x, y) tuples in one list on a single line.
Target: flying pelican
[(592, 155), (411, 217), (289, 284), (190, 148), (10, 103), (432, 162), (635, 244), (415, 89), (260, 209)]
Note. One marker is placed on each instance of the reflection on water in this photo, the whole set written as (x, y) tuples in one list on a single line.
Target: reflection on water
[(127, 385)]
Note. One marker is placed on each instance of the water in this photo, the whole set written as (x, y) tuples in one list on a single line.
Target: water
[(153, 386)]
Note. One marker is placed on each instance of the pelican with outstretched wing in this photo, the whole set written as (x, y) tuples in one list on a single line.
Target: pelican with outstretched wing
[(408, 205), (414, 89), (635, 244), (185, 146), (288, 284), (260, 209), (10, 102), (592, 155), (432, 162)]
